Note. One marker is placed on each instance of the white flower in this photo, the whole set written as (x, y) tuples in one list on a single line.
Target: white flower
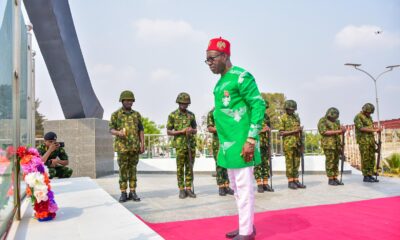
[(41, 196), (34, 178)]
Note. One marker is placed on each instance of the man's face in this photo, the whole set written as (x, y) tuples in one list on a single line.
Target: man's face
[(289, 111), (216, 61), (368, 114), (49, 142), (127, 104), (183, 106)]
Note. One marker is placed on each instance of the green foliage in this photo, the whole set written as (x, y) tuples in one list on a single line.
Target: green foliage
[(392, 164), (276, 102), (312, 143), (151, 127), (39, 119)]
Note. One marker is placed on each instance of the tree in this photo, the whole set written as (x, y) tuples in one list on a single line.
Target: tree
[(39, 120), (276, 102), (151, 127)]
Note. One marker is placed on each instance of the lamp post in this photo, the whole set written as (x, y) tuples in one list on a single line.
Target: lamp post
[(390, 68)]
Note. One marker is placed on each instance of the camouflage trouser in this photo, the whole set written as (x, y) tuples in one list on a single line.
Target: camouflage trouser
[(331, 162), (292, 159), (222, 173), (60, 172), (127, 163), (367, 153), (261, 171), (183, 168)]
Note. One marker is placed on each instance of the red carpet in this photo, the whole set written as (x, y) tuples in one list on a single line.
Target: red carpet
[(369, 219)]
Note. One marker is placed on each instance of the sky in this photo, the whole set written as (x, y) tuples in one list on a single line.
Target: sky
[(156, 48)]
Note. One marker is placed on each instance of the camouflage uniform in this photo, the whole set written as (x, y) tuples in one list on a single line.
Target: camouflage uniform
[(59, 171), (222, 173), (291, 144), (261, 171), (128, 147), (331, 145), (366, 142), (177, 121)]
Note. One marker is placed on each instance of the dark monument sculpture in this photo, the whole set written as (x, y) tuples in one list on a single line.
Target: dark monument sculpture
[(55, 32)]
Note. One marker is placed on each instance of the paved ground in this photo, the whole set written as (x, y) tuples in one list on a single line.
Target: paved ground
[(160, 202)]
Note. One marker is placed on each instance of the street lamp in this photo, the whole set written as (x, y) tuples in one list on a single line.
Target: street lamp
[(390, 68)]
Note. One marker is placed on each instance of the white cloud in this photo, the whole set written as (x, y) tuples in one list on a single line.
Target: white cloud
[(162, 74), (166, 31), (366, 36)]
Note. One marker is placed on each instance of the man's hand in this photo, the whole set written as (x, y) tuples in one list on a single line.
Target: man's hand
[(54, 146), (247, 152), (189, 131), (141, 148), (300, 129), (121, 133), (378, 129), (53, 163), (343, 128)]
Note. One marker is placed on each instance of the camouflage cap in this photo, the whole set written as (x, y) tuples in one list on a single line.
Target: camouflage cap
[(368, 107), (290, 104), (183, 98), (332, 113), (126, 95)]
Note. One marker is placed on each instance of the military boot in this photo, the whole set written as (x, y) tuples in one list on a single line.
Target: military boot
[(123, 197), (182, 194), (190, 193), (373, 179), (268, 188), (299, 184), (368, 179), (260, 188), (338, 182), (133, 196), (221, 191), (332, 182), (292, 185), (229, 191)]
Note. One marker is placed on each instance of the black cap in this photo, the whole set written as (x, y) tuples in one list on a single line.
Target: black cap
[(50, 136)]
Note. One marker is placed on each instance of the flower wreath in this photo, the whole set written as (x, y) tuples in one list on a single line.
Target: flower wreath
[(36, 176)]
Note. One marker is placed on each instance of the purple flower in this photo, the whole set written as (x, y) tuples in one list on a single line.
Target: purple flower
[(40, 168), (53, 206), (50, 194), (33, 151)]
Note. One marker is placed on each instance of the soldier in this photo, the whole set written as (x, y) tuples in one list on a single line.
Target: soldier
[(290, 130), (261, 172), (222, 174), (182, 125), (54, 157), (330, 130), (127, 127), (365, 138)]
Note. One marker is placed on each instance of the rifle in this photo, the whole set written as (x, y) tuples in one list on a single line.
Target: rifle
[(342, 157), (190, 159), (302, 147), (378, 157), (270, 156)]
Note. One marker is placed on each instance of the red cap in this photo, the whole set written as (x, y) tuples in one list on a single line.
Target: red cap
[(220, 45)]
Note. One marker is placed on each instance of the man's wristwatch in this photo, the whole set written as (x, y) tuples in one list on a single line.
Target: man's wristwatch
[(252, 141)]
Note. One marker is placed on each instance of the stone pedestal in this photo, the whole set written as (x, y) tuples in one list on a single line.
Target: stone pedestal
[(88, 143)]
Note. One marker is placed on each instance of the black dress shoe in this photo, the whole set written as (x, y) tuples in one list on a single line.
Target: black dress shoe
[(229, 191), (292, 185), (222, 191), (268, 188), (190, 193), (260, 188), (123, 197), (235, 233), (338, 182), (299, 184), (245, 237), (133, 196), (182, 194), (332, 182)]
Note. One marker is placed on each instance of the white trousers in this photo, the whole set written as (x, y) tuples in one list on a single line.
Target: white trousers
[(241, 181)]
